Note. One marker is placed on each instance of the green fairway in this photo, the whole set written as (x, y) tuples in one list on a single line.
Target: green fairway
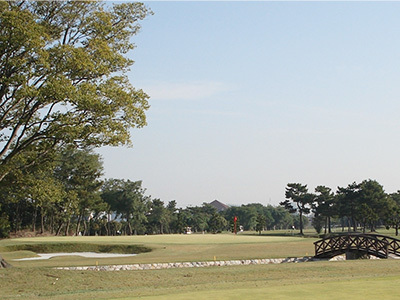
[(168, 248), (313, 280), (366, 288)]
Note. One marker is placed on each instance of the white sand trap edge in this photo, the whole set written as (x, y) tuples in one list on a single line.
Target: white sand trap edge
[(83, 254)]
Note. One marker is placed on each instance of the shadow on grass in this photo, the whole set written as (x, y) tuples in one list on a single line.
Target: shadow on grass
[(79, 247)]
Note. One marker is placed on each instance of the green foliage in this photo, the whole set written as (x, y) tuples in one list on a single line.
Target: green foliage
[(261, 222), (4, 226), (158, 217), (393, 214), (53, 192), (323, 207), (363, 203), (298, 194), (318, 223), (63, 73), (217, 223), (198, 217), (79, 172), (127, 199), (275, 217)]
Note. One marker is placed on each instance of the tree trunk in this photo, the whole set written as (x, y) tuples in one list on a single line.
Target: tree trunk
[(67, 226), (329, 225), (110, 232), (130, 229), (301, 222), (41, 220), (85, 227), (397, 229), (59, 228), (78, 225), (52, 224), (34, 219)]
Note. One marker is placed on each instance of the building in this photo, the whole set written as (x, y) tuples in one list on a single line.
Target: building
[(219, 206)]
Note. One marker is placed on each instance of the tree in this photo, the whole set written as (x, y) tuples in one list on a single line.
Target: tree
[(158, 216), (363, 203), (393, 218), (348, 202), (63, 76), (323, 207), (4, 225), (298, 194), (79, 172), (282, 218), (200, 216), (30, 193), (217, 223), (318, 223), (172, 217), (373, 203), (261, 222), (127, 198)]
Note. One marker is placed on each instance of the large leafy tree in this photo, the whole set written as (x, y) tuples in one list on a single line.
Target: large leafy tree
[(323, 206), (374, 203), (63, 76), (79, 172), (217, 223), (261, 223), (158, 217), (297, 200), (393, 218), (127, 199), (30, 192), (363, 203), (348, 203)]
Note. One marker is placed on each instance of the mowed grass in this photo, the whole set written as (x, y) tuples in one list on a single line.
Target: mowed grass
[(167, 248), (313, 280)]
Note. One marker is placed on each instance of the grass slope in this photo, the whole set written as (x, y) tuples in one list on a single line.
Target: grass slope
[(165, 248), (315, 280)]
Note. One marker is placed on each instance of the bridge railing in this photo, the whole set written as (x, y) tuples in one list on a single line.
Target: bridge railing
[(393, 243), (377, 245)]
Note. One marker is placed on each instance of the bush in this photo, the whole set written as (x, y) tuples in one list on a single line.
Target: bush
[(4, 227)]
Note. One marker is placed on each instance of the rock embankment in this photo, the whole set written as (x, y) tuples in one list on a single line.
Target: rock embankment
[(159, 266)]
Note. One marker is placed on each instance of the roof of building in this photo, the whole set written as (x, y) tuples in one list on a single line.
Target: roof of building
[(219, 206)]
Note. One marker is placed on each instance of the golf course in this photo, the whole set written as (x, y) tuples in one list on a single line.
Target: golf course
[(39, 279)]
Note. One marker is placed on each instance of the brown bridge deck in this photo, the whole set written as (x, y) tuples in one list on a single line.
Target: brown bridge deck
[(370, 244)]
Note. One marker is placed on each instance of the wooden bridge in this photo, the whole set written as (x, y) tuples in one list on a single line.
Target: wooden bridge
[(356, 245)]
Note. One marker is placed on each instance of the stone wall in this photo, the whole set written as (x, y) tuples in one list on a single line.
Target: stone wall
[(221, 263)]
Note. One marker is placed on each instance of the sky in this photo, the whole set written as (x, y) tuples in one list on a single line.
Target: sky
[(247, 97)]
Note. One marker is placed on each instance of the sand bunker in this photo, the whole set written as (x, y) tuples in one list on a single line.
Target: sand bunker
[(83, 254)]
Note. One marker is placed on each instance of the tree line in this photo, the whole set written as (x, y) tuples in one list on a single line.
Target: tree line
[(66, 196), (358, 206)]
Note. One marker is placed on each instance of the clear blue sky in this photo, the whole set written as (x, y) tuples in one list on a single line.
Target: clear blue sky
[(249, 96)]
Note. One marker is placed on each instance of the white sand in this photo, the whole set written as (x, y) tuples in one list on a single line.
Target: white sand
[(83, 254)]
